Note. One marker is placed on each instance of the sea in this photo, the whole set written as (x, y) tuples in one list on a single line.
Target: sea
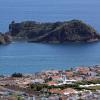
[(27, 57)]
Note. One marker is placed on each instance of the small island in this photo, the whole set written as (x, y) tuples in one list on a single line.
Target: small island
[(57, 32)]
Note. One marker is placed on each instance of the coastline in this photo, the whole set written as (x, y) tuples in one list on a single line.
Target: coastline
[(54, 69), (53, 83)]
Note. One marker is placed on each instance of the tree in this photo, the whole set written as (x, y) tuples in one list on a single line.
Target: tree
[(17, 75)]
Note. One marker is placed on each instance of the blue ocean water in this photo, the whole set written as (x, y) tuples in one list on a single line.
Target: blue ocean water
[(32, 57), (49, 10)]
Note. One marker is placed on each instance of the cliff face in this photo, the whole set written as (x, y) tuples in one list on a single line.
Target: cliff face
[(74, 30), (5, 38)]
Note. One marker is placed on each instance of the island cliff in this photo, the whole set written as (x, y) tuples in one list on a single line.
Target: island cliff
[(58, 32), (5, 38)]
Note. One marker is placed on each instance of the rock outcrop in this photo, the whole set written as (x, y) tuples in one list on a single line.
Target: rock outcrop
[(58, 32), (5, 38)]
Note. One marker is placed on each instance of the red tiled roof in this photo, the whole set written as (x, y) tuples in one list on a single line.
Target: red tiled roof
[(64, 91), (51, 83), (56, 77), (54, 90)]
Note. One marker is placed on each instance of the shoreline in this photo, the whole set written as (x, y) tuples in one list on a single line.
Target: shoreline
[(53, 83), (52, 69)]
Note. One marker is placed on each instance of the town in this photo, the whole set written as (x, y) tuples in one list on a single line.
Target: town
[(78, 83)]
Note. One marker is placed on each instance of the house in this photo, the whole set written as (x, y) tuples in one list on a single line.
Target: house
[(68, 91), (69, 73), (55, 90), (50, 83), (82, 70), (37, 81)]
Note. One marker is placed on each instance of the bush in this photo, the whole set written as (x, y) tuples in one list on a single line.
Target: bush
[(37, 87), (17, 75)]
